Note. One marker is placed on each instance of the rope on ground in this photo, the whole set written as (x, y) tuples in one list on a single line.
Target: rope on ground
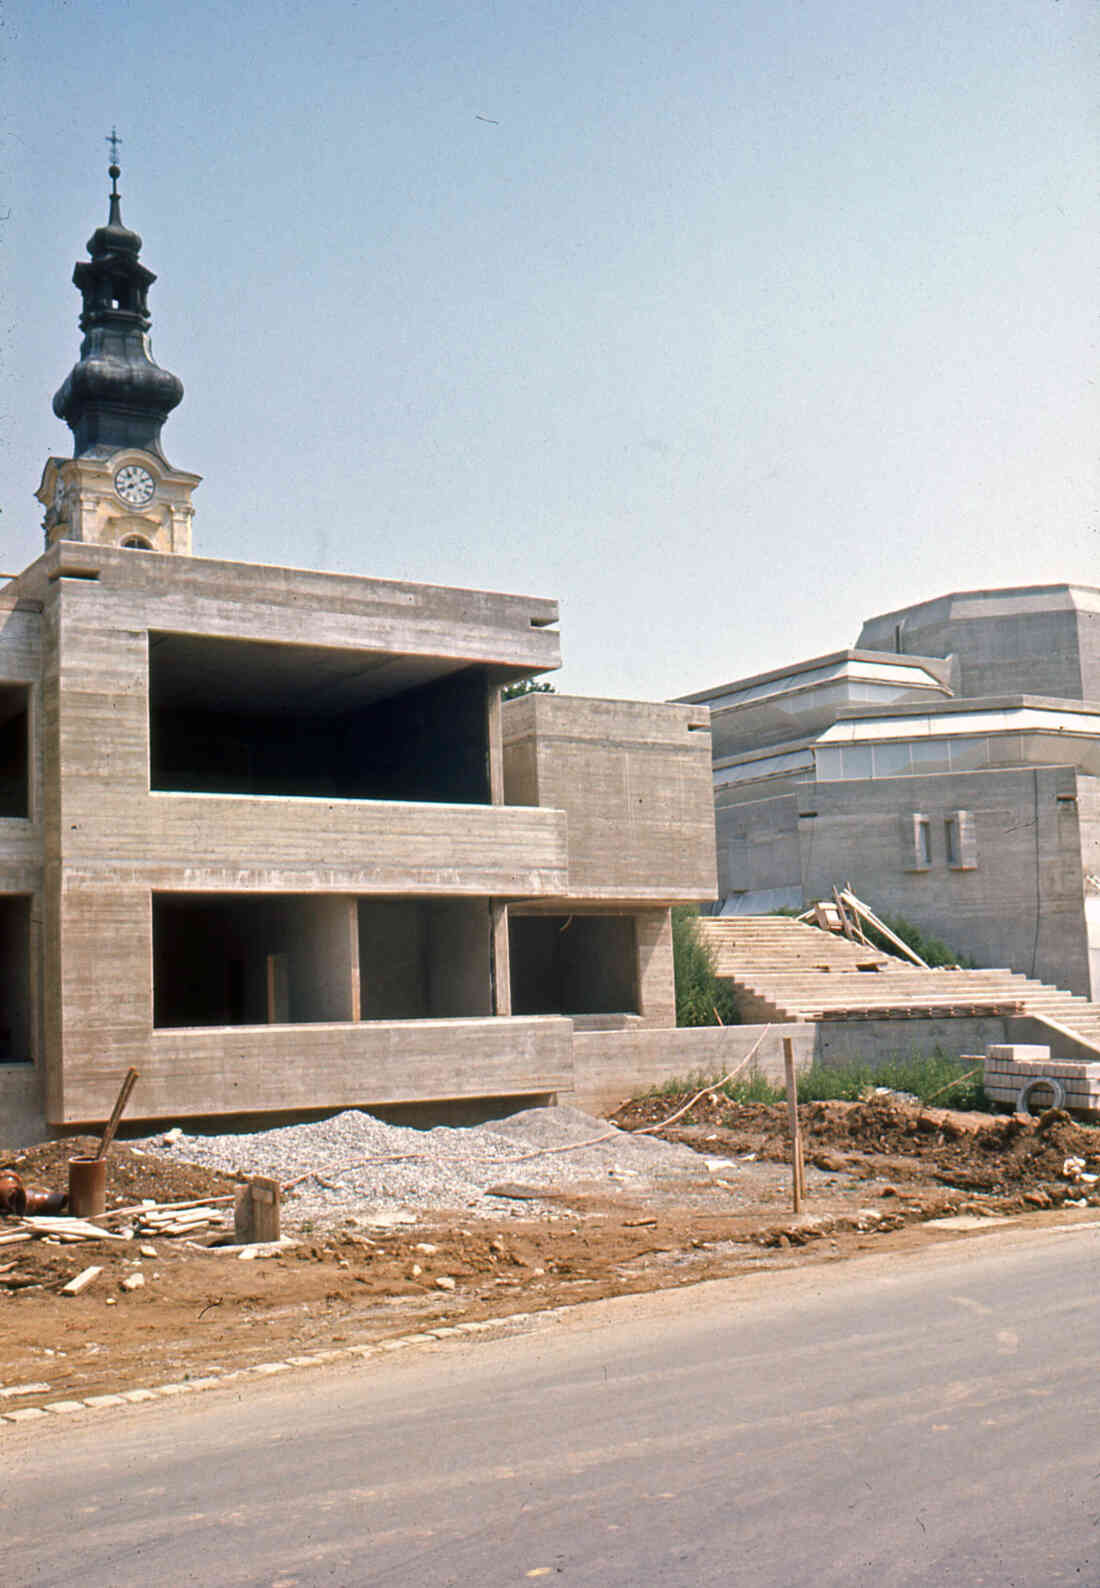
[(650, 1130)]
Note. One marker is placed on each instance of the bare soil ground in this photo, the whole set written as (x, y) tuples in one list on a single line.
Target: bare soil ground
[(878, 1171)]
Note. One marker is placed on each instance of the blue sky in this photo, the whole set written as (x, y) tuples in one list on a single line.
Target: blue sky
[(735, 324)]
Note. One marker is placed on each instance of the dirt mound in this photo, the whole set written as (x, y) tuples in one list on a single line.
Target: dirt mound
[(132, 1175), (1003, 1154)]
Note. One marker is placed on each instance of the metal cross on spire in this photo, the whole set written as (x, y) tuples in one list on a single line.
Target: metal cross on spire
[(113, 170)]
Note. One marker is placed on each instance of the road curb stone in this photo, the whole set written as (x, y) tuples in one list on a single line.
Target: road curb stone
[(322, 1358)]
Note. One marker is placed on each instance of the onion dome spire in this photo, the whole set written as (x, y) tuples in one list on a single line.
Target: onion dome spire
[(115, 395)]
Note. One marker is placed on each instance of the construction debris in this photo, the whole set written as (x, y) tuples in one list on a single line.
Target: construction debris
[(13, 1193), (81, 1282)]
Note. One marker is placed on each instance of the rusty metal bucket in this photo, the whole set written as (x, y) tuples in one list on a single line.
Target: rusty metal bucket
[(87, 1186)]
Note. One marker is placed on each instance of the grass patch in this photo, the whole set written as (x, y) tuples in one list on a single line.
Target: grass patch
[(930, 1077)]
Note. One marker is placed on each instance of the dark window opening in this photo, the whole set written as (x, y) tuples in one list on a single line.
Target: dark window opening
[(573, 965), (14, 757), (236, 717), (260, 959), (424, 959), (137, 543), (951, 840), (15, 979)]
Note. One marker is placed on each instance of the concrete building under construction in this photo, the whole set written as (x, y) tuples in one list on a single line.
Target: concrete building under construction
[(270, 836)]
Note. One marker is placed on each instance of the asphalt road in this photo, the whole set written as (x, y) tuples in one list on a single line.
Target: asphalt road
[(932, 1419)]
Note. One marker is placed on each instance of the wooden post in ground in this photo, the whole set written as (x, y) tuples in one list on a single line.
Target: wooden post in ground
[(256, 1216), (798, 1173)]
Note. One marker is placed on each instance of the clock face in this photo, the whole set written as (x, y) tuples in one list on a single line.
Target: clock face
[(135, 485)]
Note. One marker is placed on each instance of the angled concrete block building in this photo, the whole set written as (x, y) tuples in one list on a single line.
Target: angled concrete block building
[(270, 836), (948, 767)]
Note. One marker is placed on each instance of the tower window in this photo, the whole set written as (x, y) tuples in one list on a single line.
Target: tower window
[(137, 543)]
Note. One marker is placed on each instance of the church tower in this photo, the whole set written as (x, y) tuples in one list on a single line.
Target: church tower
[(118, 488)]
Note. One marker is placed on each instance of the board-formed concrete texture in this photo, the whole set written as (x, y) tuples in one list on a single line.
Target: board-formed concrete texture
[(947, 768), (627, 775), (1036, 640), (273, 856)]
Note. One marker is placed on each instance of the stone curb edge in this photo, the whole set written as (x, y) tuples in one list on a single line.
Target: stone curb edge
[(347, 1353)]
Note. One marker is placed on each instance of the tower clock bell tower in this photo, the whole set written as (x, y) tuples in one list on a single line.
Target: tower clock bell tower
[(118, 488)]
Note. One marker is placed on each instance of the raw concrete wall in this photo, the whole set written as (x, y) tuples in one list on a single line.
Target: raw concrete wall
[(323, 949), (1037, 640), (1088, 642), (393, 957), (610, 1067), (758, 843), (22, 883), (634, 781), (653, 989), (261, 1069), (459, 976), (1021, 906), (111, 843), (620, 791), (879, 1042), (1062, 1042), (22, 1107)]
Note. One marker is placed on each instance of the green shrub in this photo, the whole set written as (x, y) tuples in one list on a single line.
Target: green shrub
[(933, 950), (701, 998), (526, 686), (928, 1077)]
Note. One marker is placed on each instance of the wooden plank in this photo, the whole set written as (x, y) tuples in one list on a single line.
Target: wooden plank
[(81, 1282), (880, 926), (116, 1113), (63, 1226)]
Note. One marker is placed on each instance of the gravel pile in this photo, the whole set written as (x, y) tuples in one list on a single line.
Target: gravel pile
[(358, 1165)]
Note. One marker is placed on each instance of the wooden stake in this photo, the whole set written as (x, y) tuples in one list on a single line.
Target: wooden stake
[(116, 1114), (798, 1173)]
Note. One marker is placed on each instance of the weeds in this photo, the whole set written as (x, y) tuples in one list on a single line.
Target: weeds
[(928, 1076)]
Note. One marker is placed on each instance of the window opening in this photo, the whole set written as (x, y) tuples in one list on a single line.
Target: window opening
[(237, 717), (260, 959), (951, 838), (573, 965), (15, 979), (14, 750), (924, 841), (917, 842), (424, 959), (959, 837)]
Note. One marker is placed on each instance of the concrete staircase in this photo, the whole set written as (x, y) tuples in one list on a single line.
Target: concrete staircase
[(785, 970)]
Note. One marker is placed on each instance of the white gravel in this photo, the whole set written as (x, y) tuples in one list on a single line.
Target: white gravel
[(408, 1171)]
